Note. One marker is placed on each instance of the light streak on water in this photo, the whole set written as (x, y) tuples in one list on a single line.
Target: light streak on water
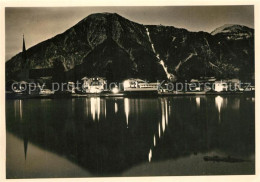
[(159, 130), (150, 155), (21, 109), (127, 109), (116, 107), (198, 101), (219, 102), (95, 108)]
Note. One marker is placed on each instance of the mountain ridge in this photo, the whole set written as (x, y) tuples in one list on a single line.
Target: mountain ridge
[(229, 27), (77, 45)]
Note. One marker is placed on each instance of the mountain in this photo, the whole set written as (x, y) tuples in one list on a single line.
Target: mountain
[(107, 44), (233, 30)]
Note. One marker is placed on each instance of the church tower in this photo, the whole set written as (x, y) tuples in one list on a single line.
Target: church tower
[(24, 56), (24, 71)]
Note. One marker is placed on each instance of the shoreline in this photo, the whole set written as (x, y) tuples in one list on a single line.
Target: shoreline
[(10, 96)]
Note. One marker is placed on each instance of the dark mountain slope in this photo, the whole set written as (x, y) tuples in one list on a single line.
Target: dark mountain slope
[(106, 44)]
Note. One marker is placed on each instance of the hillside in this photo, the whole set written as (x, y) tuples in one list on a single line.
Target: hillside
[(110, 45)]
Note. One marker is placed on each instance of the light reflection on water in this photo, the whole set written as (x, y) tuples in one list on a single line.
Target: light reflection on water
[(150, 155), (21, 109), (162, 124), (130, 128), (97, 108), (221, 103), (198, 101), (116, 107), (18, 109), (127, 109), (236, 103)]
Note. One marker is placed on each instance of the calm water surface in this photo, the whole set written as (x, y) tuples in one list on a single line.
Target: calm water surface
[(129, 136)]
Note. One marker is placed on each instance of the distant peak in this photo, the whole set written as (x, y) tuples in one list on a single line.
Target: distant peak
[(228, 28), (104, 14), (109, 13)]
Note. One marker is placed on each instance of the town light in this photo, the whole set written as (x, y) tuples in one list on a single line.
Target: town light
[(126, 83), (94, 90), (115, 90), (219, 87)]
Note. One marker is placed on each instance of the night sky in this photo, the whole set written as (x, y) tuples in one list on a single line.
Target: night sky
[(39, 24)]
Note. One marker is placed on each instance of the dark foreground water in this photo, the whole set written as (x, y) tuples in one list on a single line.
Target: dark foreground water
[(130, 136)]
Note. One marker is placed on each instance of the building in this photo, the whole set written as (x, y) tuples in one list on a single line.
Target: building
[(227, 85), (132, 85), (202, 84), (43, 75), (93, 85), (19, 87), (220, 86)]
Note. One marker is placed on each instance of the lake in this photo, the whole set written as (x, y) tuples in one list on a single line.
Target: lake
[(158, 136)]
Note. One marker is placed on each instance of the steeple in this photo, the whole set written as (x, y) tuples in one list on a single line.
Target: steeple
[(24, 56), (24, 49)]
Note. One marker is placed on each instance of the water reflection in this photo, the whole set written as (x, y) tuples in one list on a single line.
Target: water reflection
[(25, 132), (150, 155), (236, 103), (159, 130), (73, 105), (162, 124), (18, 114), (127, 109), (116, 107), (39, 163), (18, 109), (21, 109), (97, 108), (198, 101), (221, 103), (165, 115), (156, 131)]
